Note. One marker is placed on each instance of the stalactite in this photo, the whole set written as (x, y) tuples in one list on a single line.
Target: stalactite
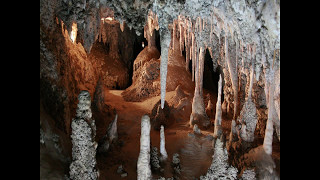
[(267, 142), (234, 79), (201, 69), (194, 57), (163, 151), (251, 76), (165, 38), (173, 33), (122, 26), (218, 118)]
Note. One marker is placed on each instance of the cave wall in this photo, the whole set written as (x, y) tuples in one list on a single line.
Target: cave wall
[(247, 31)]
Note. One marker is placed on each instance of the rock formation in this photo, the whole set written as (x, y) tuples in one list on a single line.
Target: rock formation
[(220, 168), (218, 118), (176, 166), (196, 130), (154, 158), (248, 115), (160, 116), (110, 136), (163, 151), (83, 164), (143, 164)]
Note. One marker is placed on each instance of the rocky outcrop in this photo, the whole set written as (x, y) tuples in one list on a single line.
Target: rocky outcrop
[(110, 136), (160, 116), (145, 76)]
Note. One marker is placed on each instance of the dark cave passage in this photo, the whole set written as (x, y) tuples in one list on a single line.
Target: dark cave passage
[(211, 75)]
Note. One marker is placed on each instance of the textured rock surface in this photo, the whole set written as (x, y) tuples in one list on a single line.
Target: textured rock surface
[(176, 166), (83, 164), (154, 157), (163, 151), (218, 118), (110, 136), (220, 168), (196, 130), (143, 164), (160, 116)]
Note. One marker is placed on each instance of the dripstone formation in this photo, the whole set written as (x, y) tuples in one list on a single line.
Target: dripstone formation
[(83, 164)]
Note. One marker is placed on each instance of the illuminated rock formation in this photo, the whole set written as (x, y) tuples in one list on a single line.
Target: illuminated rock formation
[(83, 164), (163, 151), (143, 164)]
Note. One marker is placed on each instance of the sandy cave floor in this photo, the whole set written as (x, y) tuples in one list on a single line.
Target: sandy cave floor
[(195, 156)]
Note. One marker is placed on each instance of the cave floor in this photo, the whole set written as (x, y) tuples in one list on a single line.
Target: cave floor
[(195, 155), (195, 152)]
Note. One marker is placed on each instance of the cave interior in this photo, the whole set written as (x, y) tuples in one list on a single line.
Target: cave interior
[(165, 89)]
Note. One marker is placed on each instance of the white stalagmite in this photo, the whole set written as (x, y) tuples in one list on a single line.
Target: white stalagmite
[(163, 151), (143, 165), (218, 118), (83, 165), (165, 38), (267, 142)]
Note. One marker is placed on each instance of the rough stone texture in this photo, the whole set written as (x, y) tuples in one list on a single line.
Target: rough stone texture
[(143, 164), (248, 119), (110, 136), (196, 130), (163, 151), (145, 76), (263, 163), (198, 115), (248, 174), (220, 168), (176, 166), (160, 116), (83, 164), (246, 24), (218, 118), (154, 157), (210, 110)]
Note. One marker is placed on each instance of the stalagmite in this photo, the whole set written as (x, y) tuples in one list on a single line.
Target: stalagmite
[(143, 164), (248, 115), (165, 38), (198, 115), (267, 142), (218, 118), (83, 164), (163, 151)]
